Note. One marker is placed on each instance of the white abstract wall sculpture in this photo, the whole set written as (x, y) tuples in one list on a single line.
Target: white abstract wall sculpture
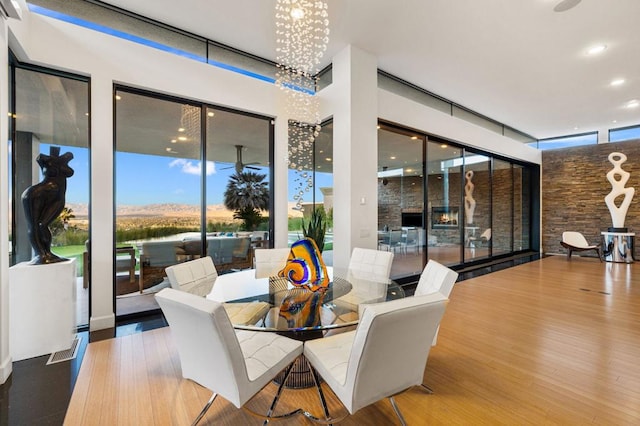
[(618, 214), (469, 201)]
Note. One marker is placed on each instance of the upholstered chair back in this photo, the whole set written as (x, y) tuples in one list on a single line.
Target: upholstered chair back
[(436, 277), (195, 276), (270, 261), (390, 348), (374, 265), (209, 350)]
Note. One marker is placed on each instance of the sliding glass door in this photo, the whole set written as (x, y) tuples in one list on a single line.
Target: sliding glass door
[(471, 208), (184, 176), (401, 212)]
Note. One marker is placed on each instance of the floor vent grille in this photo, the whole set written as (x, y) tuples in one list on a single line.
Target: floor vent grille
[(67, 354)]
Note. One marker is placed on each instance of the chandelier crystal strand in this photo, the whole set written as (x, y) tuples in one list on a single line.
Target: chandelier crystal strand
[(190, 121), (302, 35)]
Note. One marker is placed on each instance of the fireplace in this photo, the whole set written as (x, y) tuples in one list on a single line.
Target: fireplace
[(444, 217)]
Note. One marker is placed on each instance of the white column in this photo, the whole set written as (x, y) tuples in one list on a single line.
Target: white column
[(354, 103), (101, 290), (603, 135), (5, 352)]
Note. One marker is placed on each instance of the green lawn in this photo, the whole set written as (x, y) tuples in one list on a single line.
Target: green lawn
[(71, 252)]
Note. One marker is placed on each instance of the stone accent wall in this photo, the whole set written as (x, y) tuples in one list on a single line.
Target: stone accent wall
[(574, 185), (396, 198)]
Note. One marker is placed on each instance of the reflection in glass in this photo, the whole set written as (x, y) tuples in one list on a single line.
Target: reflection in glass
[(477, 226), (444, 191), (237, 148), (319, 195), (157, 191), (401, 199), (502, 194), (521, 208)]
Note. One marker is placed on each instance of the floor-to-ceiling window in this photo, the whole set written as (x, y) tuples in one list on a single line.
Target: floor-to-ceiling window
[(170, 204), (445, 208), (522, 204), (238, 170), (502, 203), (471, 208), (401, 199), (51, 117), (477, 206)]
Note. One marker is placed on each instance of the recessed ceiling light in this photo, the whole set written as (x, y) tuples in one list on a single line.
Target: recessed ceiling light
[(617, 82), (444, 145), (182, 138), (413, 138), (633, 103), (575, 127), (173, 141), (118, 97), (168, 149), (328, 159), (392, 158), (210, 114), (598, 48), (181, 129), (614, 121)]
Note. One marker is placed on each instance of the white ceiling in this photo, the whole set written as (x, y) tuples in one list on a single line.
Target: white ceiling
[(516, 61)]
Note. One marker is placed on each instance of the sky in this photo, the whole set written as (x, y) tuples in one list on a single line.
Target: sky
[(146, 179)]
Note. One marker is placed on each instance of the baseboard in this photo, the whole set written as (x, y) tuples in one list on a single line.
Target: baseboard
[(100, 323), (5, 369)]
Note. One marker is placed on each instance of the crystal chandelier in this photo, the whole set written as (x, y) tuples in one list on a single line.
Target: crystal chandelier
[(302, 35), (190, 122)]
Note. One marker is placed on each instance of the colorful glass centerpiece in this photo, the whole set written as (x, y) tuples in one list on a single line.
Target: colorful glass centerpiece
[(305, 267)]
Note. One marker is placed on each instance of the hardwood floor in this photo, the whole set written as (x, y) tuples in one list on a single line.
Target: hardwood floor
[(547, 342)]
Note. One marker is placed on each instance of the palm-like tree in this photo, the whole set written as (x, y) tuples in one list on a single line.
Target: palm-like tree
[(60, 223), (247, 194)]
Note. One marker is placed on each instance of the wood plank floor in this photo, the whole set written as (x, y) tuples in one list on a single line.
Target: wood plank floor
[(547, 342)]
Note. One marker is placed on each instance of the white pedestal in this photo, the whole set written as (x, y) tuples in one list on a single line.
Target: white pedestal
[(618, 246), (42, 308)]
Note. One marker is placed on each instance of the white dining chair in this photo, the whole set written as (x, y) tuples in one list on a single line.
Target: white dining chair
[(369, 263), (269, 262), (385, 355), (195, 276), (235, 364), (436, 278), (199, 276), (368, 272)]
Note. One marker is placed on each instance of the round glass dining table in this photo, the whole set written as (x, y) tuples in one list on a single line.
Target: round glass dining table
[(300, 313)]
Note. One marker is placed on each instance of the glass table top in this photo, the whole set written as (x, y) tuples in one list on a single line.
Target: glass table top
[(296, 310)]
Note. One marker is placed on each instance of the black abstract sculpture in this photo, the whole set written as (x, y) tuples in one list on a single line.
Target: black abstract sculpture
[(44, 201)]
